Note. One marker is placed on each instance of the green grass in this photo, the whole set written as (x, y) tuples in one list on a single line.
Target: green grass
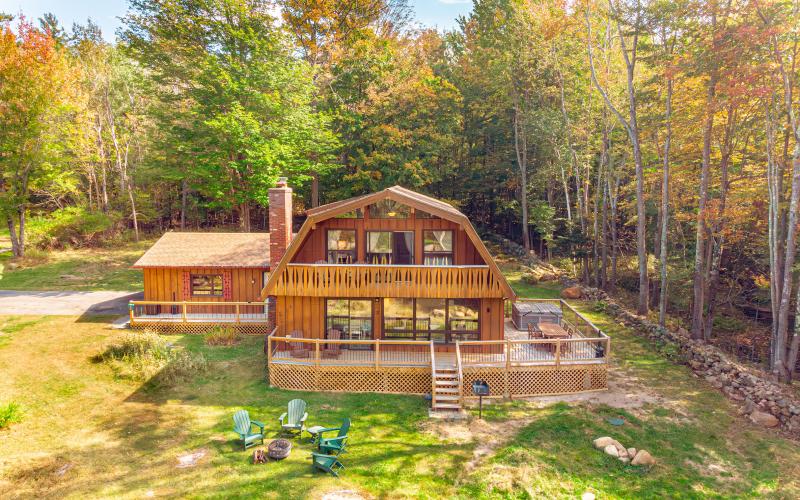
[(121, 438), (78, 269), (544, 290)]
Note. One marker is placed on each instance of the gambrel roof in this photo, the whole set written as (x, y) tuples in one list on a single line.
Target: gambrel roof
[(398, 194)]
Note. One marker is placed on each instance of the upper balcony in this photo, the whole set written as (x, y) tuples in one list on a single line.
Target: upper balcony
[(361, 280)]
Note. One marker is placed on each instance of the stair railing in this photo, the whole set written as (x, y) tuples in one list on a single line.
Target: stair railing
[(460, 373), (433, 375)]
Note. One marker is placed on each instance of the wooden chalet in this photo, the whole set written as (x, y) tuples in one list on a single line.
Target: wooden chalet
[(388, 292)]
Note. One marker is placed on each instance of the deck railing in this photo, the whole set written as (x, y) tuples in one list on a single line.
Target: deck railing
[(149, 311), (360, 280)]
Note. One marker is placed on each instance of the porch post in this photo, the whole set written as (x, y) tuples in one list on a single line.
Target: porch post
[(377, 353), (506, 376), (183, 311)]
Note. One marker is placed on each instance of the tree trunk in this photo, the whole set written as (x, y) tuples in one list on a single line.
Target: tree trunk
[(314, 189), (184, 195), (662, 298), (698, 300), (520, 146), (244, 217)]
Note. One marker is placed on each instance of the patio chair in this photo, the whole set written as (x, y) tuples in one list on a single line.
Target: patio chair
[(243, 426), (534, 332), (335, 445), (297, 349), (327, 463), (333, 349), (295, 419)]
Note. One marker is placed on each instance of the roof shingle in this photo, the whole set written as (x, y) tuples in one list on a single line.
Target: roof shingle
[(175, 249)]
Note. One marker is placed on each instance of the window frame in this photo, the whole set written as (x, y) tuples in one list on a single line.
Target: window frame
[(350, 317), (451, 253), (450, 335), (353, 252), (213, 289), (391, 260)]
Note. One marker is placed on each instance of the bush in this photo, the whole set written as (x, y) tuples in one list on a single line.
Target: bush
[(149, 357), (530, 279), (9, 414), (75, 226), (222, 335)]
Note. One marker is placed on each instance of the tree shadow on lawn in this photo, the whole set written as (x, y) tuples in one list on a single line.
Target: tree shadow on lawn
[(134, 446), (555, 456)]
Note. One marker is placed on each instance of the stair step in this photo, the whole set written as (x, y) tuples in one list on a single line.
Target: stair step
[(444, 397), (447, 382), (447, 376), (446, 406), (448, 390)]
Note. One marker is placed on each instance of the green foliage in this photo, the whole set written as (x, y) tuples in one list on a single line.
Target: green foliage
[(222, 335), (10, 413), (148, 357), (74, 226)]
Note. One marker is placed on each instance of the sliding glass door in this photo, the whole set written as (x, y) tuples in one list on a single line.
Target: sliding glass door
[(352, 319)]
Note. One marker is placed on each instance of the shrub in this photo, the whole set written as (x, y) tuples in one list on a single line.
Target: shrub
[(10, 414), (75, 226), (149, 357), (530, 279), (222, 335)]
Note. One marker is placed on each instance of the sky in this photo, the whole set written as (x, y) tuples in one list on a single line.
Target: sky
[(441, 14)]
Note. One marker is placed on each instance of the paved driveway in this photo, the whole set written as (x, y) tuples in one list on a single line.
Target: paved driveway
[(65, 303)]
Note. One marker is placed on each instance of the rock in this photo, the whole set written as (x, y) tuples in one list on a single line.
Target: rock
[(643, 458), (11, 266), (631, 452), (601, 442), (572, 293), (764, 419), (587, 495), (611, 450)]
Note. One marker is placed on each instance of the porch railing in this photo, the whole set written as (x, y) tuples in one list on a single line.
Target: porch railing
[(361, 280), (149, 311)]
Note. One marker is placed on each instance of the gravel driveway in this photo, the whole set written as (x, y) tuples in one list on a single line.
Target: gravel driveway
[(65, 303)]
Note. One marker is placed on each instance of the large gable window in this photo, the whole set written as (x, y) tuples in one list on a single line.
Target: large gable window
[(206, 285), (389, 209), (390, 247), (438, 248), (341, 246)]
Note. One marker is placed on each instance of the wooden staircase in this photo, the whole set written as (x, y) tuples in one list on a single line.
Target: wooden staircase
[(445, 385)]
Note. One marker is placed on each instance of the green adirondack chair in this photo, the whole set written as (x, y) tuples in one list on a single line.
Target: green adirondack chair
[(335, 445), (243, 426), (328, 463), (295, 419)]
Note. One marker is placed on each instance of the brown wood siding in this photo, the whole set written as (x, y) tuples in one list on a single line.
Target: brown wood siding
[(308, 315), (314, 248), (166, 283)]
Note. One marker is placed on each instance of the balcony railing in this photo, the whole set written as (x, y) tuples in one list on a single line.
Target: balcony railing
[(154, 312), (360, 280)]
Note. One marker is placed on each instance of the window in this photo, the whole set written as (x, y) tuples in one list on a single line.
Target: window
[(389, 209), (441, 320), (387, 247), (438, 248), (207, 285), (341, 246), (352, 318)]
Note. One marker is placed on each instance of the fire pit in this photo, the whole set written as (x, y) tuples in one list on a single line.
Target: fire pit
[(279, 449)]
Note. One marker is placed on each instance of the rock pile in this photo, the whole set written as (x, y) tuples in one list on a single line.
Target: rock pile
[(614, 448), (767, 403)]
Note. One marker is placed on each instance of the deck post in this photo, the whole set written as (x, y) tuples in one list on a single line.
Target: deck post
[(377, 353), (608, 349), (316, 352), (183, 311), (558, 353), (130, 311), (237, 313), (506, 373)]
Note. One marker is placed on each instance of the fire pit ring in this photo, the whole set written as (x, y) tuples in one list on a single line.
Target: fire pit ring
[(279, 449)]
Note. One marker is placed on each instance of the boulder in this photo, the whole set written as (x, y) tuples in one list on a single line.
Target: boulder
[(611, 450), (604, 441), (572, 293), (624, 460), (643, 458), (631, 452), (764, 419)]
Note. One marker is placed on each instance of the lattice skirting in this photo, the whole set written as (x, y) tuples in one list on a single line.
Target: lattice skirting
[(350, 379), (202, 328), (537, 380)]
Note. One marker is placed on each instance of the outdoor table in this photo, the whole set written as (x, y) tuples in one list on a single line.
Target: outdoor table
[(315, 431), (553, 331)]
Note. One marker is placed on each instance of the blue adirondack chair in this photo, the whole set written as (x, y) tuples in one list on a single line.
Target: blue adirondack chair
[(328, 463), (335, 445), (243, 426), (295, 419)]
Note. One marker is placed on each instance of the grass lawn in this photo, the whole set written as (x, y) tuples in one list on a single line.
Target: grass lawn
[(78, 269), (86, 434)]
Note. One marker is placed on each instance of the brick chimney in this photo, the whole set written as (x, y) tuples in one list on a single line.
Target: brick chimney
[(280, 221)]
